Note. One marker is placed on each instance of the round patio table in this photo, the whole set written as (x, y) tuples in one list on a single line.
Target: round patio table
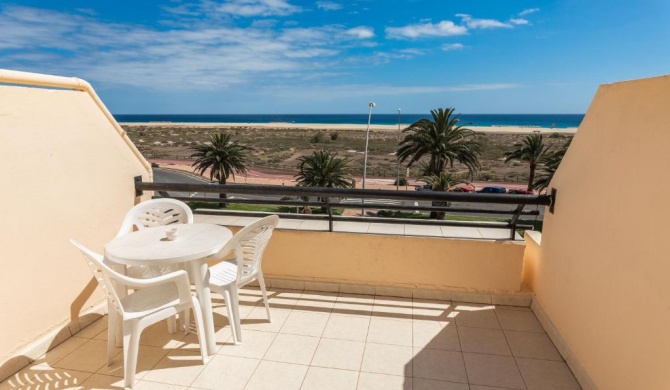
[(195, 244)]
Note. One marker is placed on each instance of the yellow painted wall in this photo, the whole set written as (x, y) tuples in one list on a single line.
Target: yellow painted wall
[(66, 173), (602, 274), (402, 261)]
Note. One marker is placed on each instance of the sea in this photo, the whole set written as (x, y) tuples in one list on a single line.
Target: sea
[(558, 121)]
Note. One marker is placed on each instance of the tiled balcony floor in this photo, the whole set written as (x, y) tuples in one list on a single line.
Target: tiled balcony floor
[(325, 341)]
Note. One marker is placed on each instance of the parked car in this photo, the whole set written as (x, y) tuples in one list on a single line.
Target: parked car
[(462, 188), (493, 190), (425, 187), (520, 191)]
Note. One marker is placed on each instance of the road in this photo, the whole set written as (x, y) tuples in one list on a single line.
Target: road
[(169, 176)]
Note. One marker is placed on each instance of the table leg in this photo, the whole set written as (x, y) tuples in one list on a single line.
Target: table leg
[(200, 273)]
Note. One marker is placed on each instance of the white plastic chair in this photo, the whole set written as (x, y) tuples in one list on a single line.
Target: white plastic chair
[(152, 213), (153, 300), (227, 276), (155, 212)]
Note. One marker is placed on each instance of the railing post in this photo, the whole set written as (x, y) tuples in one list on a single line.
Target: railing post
[(554, 191), (513, 221), (138, 192), (330, 215)]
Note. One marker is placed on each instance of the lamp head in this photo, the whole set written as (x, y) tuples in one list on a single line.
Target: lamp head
[(372, 104)]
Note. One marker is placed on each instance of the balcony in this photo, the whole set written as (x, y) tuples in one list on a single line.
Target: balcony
[(582, 304), (325, 340)]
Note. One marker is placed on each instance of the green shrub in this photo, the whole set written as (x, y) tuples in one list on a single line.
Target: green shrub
[(318, 138), (334, 135), (403, 182)]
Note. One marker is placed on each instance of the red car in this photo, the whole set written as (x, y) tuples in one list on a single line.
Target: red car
[(462, 188), (520, 191)]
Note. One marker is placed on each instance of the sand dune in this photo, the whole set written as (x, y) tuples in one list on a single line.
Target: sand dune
[(344, 127)]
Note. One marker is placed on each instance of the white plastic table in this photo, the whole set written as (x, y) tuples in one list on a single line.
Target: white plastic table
[(195, 244)]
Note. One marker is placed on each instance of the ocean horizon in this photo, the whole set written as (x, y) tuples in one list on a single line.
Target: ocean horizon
[(558, 121)]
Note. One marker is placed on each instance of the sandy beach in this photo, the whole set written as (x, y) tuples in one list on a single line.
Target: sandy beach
[(354, 127)]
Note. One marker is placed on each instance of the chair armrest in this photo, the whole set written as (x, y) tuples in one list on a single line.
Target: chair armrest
[(180, 278)]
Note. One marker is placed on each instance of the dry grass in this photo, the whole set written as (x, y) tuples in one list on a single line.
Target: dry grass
[(279, 149)]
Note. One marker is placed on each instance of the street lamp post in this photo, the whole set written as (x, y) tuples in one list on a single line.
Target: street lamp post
[(365, 158), (397, 180)]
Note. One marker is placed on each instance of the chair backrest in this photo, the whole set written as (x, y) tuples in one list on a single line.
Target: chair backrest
[(156, 212), (249, 245), (101, 272)]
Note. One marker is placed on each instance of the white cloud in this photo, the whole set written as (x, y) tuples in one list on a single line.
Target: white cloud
[(519, 21), (361, 32), (452, 46), (323, 92), (248, 8), (328, 5), (528, 11), (444, 28), (201, 56), (473, 23)]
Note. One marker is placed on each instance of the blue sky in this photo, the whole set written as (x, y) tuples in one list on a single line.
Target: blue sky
[(331, 56)]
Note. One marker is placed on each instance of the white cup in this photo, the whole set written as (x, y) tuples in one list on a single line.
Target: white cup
[(171, 234)]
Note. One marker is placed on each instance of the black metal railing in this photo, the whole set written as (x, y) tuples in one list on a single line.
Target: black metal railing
[(329, 198)]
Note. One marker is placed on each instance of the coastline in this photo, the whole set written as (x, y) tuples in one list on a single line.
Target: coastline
[(351, 127)]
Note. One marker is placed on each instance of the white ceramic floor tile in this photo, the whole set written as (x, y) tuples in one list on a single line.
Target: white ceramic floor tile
[(347, 327), (524, 321), (432, 384), (90, 357), (483, 340), (254, 345), (418, 230), (226, 372), (493, 370), (390, 332), (342, 354), (545, 374), (371, 381), (460, 232), (387, 359), (351, 227), (177, 368), (277, 376), (532, 345), (386, 228), (439, 365), (319, 378), (290, 348), (305, 323), (433, 335)]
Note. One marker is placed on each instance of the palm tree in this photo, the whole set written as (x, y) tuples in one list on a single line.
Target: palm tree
[(222, 157), (531, 149), (550, 164), (323, 169), (442, 183), (443, 139)]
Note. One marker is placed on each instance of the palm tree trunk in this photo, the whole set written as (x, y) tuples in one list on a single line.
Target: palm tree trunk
[(223, 195), (531, 176)]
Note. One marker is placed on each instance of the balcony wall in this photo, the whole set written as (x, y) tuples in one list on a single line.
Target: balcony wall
[(600, 269), (396, 261), (68, 172)]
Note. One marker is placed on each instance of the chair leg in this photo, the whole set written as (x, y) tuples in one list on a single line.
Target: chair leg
[(200, 329), (235, 306), (112, 319), (131, 345), (172, 325), (185, 317), (231, 317), (261, 282)]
